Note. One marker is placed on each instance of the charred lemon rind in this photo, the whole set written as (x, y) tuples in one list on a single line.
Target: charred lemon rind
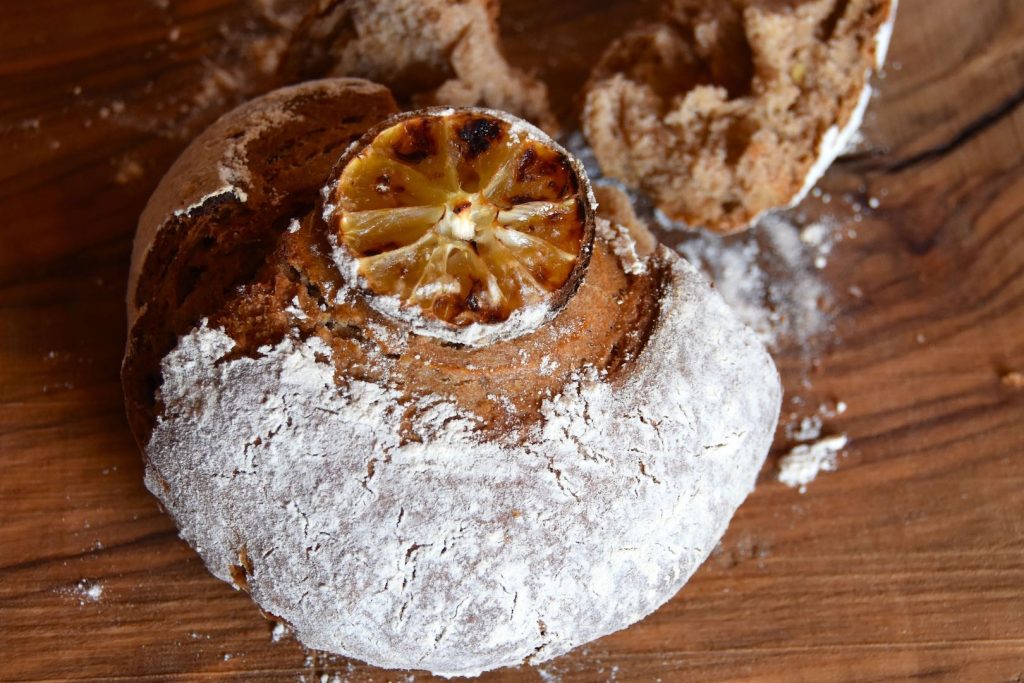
[(467, 224)]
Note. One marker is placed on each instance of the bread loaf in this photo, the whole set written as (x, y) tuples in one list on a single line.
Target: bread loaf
[(397, 498)]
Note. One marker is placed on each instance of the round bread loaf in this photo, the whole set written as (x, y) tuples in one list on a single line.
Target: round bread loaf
[(409, 502)]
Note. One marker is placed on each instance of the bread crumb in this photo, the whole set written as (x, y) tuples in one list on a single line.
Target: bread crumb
[(129, 170), (722, 111), (1013, 379)]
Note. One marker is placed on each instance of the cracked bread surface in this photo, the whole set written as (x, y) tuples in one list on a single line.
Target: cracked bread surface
[(429, 52), (723, 111), (221, 208), (401, 500)]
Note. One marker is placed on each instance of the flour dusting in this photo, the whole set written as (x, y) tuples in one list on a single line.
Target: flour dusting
[(454, 552), (769, 277), (85, 591), (803, 463)]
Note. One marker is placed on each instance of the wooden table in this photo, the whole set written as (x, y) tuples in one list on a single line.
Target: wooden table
[(908, 562)]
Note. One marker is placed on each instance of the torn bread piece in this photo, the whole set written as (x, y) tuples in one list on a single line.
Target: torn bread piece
[(429, 52), (723, 111)]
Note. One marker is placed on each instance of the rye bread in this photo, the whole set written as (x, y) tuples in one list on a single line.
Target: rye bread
[(721, 111), (403, 500)]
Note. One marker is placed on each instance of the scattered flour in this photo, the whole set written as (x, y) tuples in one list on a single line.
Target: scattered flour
[(804, 428), (813, 454), (87, 591), (1013, 379), (769, 277), (547, 366), (548, 676), (244, 447), (128, 171), (807, 429), (801, 465)]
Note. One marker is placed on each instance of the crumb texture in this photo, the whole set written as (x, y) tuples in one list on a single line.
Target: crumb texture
[(427, 51), (722, 111), (457, 552)]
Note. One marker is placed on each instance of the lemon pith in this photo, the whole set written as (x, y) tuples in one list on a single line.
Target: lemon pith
[(462, 216)]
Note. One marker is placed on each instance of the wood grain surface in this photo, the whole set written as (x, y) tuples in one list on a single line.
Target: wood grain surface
[(906, 563)]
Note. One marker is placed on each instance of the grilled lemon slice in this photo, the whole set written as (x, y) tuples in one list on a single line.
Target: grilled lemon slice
[(469, 223)]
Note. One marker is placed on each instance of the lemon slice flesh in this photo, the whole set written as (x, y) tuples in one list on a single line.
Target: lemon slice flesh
[(464, 216)]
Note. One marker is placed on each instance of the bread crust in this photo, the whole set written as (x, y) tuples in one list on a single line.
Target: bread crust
[(214, 165), (215, 216)]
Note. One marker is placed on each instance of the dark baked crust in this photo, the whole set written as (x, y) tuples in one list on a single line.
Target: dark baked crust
[(275, 150), (605, 326), (238, 265)]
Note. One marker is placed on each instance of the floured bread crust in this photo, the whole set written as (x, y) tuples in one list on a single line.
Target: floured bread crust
[(427, 51), (722, 111), (218, 164), (457, 552), (221, 208), (423, 505), (616, 207)]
